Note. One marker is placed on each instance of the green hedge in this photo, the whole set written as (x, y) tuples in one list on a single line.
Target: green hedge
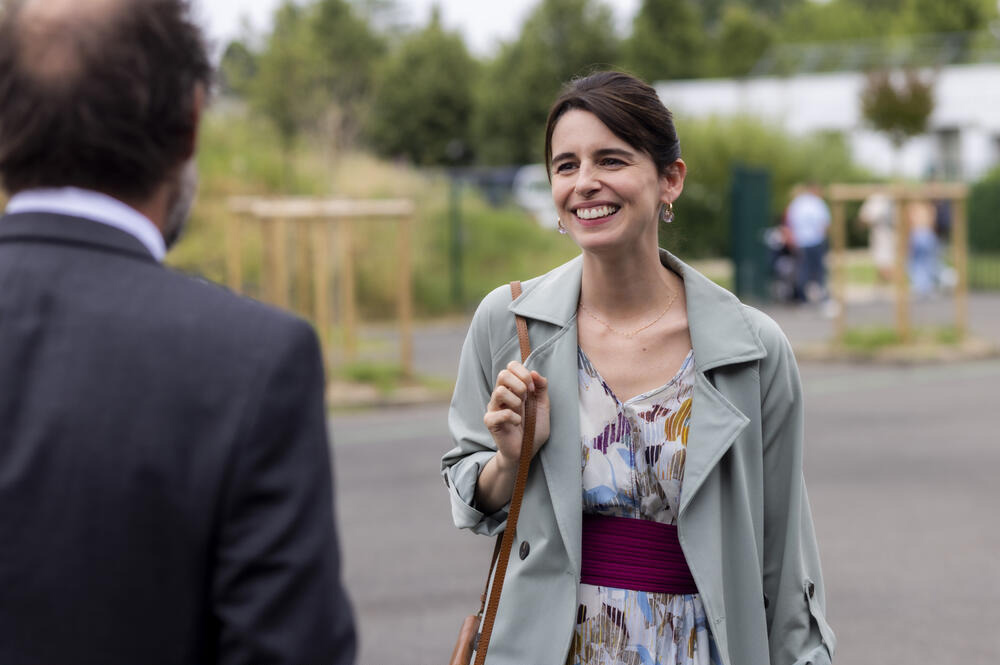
[(984, 214)]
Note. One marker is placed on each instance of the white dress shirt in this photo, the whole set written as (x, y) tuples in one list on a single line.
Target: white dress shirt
[(92, 206)]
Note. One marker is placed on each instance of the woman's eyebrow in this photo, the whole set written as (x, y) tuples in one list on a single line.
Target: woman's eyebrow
[(606, 152), (603, 152)]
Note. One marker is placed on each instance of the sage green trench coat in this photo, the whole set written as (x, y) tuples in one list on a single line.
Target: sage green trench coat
[(744, 521)]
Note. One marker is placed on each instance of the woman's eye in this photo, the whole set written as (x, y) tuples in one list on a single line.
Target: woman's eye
[(612, 161), (564, 167)]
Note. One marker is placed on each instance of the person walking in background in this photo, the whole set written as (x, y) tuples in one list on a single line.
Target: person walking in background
[(878, 213), (165, 484), (665, 517), (923, 264), (808, 218)]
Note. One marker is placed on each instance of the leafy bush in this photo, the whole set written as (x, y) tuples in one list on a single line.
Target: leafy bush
[(984, 213), (711, 147)]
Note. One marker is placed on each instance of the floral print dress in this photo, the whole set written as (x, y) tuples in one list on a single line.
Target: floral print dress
[(633, 466)]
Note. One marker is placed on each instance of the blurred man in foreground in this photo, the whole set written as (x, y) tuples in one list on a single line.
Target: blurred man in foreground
[(165, 486)]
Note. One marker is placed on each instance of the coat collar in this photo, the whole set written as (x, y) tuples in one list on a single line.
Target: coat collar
[(56, 228), (720, 331)]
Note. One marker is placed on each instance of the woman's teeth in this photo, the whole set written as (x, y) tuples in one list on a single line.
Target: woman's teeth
[(594, 213)]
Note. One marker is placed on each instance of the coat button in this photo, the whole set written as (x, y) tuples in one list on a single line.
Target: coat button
[(523, 551), (812, 589)]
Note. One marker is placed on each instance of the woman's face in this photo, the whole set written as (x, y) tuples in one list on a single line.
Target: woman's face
[(607, 192)]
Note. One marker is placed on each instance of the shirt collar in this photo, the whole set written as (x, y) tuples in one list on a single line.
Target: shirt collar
[(93, 206)]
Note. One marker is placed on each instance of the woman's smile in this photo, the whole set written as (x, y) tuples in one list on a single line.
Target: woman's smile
[(595, 214)]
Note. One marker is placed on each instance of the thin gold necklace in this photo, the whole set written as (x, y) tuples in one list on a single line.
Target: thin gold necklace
[(637, 330)]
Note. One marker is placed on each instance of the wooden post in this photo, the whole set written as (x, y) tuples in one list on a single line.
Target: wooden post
[(404, 300), (840, 269), (268, 248), (348, 308), (276, 249), (320, 242), (234, 252), (960, 250), (302, 238), (900, 278)]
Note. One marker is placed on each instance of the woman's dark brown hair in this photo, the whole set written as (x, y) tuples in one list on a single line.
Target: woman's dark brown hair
[(628, 107)]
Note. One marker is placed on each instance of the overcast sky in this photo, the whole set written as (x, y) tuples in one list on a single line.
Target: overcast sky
[(484, 23)]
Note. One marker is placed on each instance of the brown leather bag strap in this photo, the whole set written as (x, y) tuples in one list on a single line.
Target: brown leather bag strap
[(506, 541)]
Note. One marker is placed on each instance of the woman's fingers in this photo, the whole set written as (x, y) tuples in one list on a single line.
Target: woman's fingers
[(504, 398), (521, 372), (497, 420)]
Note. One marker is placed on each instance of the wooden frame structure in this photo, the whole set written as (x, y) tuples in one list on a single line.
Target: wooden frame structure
[(957, 193), (319, 222)]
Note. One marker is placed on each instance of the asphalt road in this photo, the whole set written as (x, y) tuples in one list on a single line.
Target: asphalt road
[(903, 470)]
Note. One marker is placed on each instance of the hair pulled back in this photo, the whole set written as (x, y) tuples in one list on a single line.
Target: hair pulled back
[(630, 108)]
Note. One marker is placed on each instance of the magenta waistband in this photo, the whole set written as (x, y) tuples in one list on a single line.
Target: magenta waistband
[(627, 553)]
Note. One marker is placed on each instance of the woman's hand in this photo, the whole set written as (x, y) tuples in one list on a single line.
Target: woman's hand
[(505, 420)]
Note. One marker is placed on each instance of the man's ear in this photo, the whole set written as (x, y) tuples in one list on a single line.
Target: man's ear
[(197, 106)]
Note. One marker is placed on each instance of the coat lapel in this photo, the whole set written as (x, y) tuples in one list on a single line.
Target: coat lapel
[(721, 335), (549, 303)]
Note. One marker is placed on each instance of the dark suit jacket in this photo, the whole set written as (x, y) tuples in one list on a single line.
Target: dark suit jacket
[(165, 483)]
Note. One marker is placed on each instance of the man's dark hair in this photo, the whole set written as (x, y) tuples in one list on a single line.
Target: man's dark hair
[(99, 95), (630, 108)]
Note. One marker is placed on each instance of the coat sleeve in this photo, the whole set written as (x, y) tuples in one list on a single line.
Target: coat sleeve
[(798, 632), (277, 595), (473, 445)]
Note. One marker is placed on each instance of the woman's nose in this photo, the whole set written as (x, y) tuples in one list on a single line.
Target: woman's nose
[(586, 180)]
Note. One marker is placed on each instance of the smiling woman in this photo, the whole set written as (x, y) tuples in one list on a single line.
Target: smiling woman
[(667, 521)]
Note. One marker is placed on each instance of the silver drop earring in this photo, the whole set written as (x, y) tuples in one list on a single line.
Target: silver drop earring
[(667, 212), (562, 229)]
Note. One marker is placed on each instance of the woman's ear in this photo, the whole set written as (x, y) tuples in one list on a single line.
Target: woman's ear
[(672, 181)]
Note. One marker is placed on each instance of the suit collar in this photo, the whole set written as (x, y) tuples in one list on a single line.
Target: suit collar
[(65, 229), (720, 331), (90, 204)]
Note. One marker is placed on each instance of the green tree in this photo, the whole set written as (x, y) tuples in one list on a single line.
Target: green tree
[(836, 20), (347, 51), (559, 40), (898, 104), (284, 89), (237, 68), (314, 72), (951, 16), (743, 37), (714, 10), (423, 100), (668, 41)]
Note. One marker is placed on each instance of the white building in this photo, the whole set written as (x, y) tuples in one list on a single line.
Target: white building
[(963, 141)]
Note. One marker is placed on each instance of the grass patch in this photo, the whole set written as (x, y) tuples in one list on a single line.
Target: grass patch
[(876, 338), (859, 272), (870, 338), (386, 377), (947, 335)]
